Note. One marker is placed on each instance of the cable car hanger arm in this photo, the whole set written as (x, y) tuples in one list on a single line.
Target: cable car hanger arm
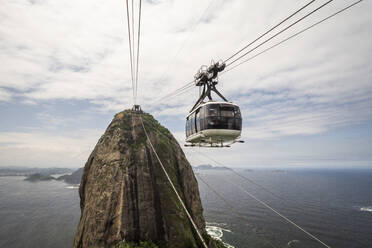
[(208, 79)]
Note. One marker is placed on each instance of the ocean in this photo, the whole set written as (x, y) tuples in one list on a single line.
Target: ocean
[(335, 205)]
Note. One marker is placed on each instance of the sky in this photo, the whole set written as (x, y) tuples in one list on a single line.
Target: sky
[(65, 72)]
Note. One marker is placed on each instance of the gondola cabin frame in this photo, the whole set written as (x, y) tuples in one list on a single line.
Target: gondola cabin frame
[(213, 124)]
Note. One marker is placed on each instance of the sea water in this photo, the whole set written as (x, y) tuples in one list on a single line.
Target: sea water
[(334, 205)]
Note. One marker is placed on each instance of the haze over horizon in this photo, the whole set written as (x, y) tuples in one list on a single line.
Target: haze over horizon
[(66, 72)]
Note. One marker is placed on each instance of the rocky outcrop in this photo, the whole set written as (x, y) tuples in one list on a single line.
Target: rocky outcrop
[(125, 194), (74, 178), (39, 177)]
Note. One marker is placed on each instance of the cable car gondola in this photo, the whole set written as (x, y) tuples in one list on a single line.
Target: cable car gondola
[(212, 123)]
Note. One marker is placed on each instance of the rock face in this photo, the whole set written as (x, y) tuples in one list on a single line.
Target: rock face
[(125, 194)]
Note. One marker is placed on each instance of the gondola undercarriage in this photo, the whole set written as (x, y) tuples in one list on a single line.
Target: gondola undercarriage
[(214, 138)]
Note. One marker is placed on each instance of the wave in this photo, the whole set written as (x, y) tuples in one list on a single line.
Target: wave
[(216, 224), (289, 244), (366, 209), (216, 232), (72, 187)]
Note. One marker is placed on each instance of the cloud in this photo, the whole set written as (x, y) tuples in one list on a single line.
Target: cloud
[(319, 81), (43, 149), (5, 96)]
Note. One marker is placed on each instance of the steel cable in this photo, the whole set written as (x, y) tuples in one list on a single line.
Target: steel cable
[(130, 49), (278, 33), (138, 46), (133, 50), (271, 29), (187, 86), (172, 185), (227, 203), (176, 92), (280, 215), (292, 36), (182, 46), (268, 206), (248, 193), (244, 177)]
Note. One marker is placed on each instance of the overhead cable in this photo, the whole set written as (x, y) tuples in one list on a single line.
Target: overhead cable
[(251, 195), (173, 187), (177, 91), (271, 29), (138, 45), (279, 214), (183, 45), (292, 36), (180, 92), (227, 203), (130, 49), (278, 33), (243, 177), (268, 206), (133, 49), (188, 86), (260, 186)]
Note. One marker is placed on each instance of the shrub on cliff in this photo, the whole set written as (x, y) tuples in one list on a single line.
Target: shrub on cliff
[(147, 244)]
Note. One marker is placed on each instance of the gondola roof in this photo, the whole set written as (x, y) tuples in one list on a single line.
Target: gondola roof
[(211, 102)]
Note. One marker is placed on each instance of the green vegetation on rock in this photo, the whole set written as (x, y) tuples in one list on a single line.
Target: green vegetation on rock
[(123, 177), (147, 244), (38, 177), (152, 124)]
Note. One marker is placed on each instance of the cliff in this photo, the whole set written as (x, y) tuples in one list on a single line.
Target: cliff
[(125, 195)]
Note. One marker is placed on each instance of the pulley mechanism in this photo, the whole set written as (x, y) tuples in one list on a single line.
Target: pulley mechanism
[(136, 109), (207, 77)]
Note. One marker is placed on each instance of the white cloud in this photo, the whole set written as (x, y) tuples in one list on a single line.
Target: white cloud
[(43, 149), (4, 96), (79, 50)]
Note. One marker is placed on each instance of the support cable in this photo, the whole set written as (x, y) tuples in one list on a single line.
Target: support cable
[(278, 33), (265, 189), (189, 84), (186, 87), (271, 29), (279, 214), (193, 28), (244, 177), (269, 207), (177, 92), (138, 46), (293, 36), (227, 203), (133, 51), (173, 187), (183, 91), (130, 49), (251, 195)]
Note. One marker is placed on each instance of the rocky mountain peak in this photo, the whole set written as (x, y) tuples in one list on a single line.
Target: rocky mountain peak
[(125, 195)]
